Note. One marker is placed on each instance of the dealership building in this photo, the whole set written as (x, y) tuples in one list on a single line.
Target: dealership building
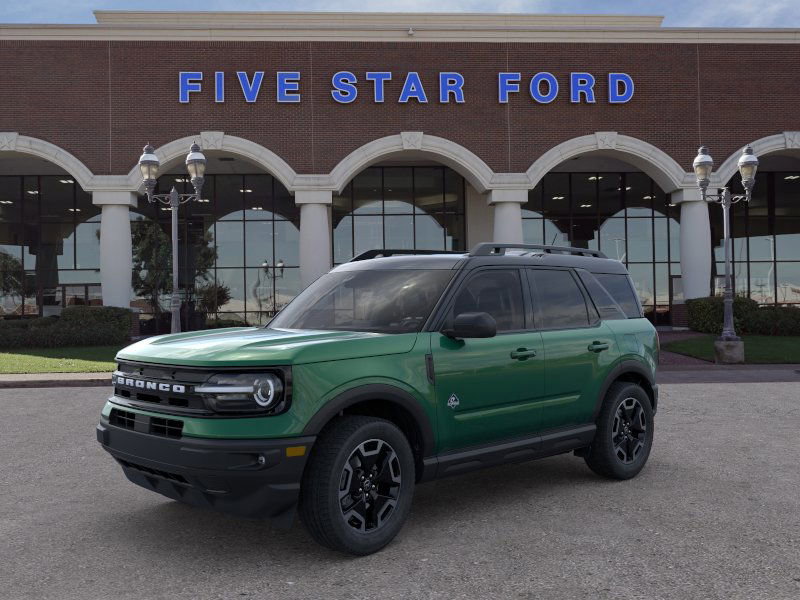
[(328, 134)]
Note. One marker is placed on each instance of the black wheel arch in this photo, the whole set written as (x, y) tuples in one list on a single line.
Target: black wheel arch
[(635, 372), (385, 401)]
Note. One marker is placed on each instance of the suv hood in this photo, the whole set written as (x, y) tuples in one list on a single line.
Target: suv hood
[(244, 346)]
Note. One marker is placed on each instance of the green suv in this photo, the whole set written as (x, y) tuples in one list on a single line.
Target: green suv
[(393, 369)]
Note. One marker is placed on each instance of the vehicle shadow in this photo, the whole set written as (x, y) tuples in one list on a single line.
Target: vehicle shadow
[(168, 527)]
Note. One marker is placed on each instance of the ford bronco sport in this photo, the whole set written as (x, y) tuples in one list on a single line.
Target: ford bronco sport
[(393, 369)]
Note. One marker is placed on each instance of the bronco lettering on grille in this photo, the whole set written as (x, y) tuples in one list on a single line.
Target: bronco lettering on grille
[(143, 384)]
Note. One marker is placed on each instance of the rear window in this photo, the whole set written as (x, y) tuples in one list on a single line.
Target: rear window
[(561, 303), (606, 305), (620, 288)]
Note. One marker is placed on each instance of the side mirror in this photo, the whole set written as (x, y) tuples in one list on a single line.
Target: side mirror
[(472, 325)]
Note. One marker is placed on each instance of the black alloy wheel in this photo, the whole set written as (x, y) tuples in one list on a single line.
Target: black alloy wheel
[(624, 433), (629, 432), (370, 485)]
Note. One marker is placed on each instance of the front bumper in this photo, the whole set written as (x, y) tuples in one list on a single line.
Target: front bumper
[(250, 478)]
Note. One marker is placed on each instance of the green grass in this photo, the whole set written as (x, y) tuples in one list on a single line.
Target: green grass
[(758, 349), (84, 359)]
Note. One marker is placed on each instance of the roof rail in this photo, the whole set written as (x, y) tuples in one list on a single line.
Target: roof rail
[(488, 248), (368, 254)]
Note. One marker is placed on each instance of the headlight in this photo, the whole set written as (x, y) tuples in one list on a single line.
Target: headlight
[(245, 392)]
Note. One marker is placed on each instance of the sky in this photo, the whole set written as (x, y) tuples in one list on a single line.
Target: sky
[(678, 13)]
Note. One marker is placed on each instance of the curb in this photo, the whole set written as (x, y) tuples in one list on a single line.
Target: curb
[(54, 383)]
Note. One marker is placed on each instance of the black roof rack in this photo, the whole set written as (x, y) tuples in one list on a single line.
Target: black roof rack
[(400, 252), (489, 248)]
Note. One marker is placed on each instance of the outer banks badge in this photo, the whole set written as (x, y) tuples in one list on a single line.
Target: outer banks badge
[(453, 401)]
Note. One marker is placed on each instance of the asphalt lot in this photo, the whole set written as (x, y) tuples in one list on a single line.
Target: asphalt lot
[(715, 514)]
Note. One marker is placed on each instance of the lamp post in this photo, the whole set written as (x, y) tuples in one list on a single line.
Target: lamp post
[(196, 165), (703, 165)]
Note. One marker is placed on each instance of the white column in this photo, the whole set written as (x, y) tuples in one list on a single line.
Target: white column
[(508, 214), (315, 233), (695, 243), (116, 256)]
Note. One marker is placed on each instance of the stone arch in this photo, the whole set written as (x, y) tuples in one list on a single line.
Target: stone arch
[(444, 151), (218, 140), (656, 163), (781, 142), (11, 141)]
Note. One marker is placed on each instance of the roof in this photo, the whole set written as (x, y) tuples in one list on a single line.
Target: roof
[(388, 26)]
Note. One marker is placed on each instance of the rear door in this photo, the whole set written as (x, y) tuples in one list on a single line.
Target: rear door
[(578, 346), (488, 389)]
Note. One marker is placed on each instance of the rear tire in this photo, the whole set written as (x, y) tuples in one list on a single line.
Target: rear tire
[(624, 434), (357, 489)]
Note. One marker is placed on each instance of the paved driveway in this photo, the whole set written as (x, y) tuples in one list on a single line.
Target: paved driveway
[(715, 514)]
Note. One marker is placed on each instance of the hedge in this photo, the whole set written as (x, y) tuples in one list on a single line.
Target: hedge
[(706, 315), (77, 326)]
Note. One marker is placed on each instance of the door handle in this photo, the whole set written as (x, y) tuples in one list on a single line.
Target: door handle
[(598, 346), (522, 354)]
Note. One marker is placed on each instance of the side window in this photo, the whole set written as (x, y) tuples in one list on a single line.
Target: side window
[(497, 292), (561, 302), (621, 290), (608, 307)]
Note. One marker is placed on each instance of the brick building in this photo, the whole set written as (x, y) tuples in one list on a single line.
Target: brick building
[(330, 134)]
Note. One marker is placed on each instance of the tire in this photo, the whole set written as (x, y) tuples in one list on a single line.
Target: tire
[(624, 435), (367, 513)]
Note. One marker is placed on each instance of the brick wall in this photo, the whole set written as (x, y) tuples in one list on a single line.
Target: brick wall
[(102, 101)]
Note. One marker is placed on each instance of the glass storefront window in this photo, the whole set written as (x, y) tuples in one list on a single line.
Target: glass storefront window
[(399, 208)]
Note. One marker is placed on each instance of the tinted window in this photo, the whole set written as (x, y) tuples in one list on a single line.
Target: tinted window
[(608, 307), (620, 288), (497, 292), (561, 303), (391, 301)]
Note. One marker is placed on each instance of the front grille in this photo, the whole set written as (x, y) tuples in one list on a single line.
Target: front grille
[(122, 418), (156, 472), (155, 388), (171, 428)]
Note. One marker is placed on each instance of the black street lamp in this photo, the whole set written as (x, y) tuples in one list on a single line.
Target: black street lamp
[(703, 165), (196, 165)]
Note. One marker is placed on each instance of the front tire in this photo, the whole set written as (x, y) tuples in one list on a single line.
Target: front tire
[(357, 489), (624, 435)]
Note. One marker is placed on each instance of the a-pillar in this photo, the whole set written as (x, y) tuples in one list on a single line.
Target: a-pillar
[(315, 233), (508, 214), (116, 256), (695, 243)]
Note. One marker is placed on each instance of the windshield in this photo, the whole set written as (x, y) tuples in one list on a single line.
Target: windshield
[(391, 301)]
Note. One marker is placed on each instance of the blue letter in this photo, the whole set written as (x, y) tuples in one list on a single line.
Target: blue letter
[(344, 92), (506, 83), (378, 77), (581, 83), (536, 88), (412, 88), (614, 95), (250, 90), (188, 81), (219, 86), (451, 83), (288, 86)]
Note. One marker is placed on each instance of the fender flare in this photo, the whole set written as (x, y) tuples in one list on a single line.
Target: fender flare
[(622, 368), (375, 391)]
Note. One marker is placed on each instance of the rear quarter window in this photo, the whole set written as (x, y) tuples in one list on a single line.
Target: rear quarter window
[(619, 287)]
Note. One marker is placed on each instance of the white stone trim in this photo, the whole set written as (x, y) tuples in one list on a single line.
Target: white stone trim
[(444, 151), (788, 140), (11, 141), (664, 170), (219, 140)]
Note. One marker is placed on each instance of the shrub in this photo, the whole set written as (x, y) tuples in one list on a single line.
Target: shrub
[(706, 315), (220, 323), (77, 326)]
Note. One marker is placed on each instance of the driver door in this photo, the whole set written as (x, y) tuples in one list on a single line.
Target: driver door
[(488, 389)]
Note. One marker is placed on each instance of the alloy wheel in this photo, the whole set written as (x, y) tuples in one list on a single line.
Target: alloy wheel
[(629, 431), (370, 485)]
